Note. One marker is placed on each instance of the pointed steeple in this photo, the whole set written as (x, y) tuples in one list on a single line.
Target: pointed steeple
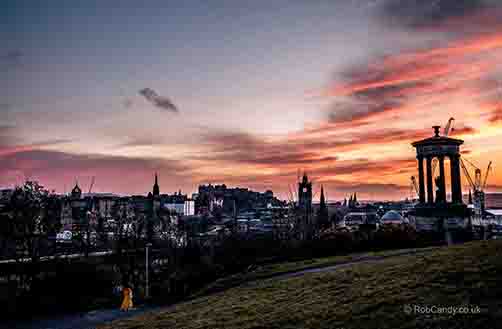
[(305, 178), (76, 193), (322, 214), (351, 201), (355, 199), (156, 189), (322, 200)]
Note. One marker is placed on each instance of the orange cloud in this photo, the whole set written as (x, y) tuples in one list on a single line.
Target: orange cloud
[(363, 142)]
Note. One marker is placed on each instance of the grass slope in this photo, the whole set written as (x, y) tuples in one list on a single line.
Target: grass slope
[(275, 269), (371, 295)]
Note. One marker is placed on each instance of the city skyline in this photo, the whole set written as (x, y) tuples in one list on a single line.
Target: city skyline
[(245, 95)]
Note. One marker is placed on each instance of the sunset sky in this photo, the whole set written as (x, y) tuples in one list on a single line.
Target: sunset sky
[(245, 93)]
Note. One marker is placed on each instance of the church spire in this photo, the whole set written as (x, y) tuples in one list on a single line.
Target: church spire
[(322, 215), (76, 193), (156, 189), (322, 200)]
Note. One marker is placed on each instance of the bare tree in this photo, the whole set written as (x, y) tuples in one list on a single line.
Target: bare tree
[(30, 219)]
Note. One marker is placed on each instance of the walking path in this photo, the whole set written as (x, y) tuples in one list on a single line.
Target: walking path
[(91, 319), (86, 320)]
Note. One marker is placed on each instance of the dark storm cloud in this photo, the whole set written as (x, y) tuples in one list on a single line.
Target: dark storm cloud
[(418, 13), (159, 101)]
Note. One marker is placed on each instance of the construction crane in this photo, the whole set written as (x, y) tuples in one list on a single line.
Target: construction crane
[(486, 175), (448, 127), (478, 185), (467, 175)]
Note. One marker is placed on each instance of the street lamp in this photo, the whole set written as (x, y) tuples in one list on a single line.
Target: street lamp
[(147, 292)]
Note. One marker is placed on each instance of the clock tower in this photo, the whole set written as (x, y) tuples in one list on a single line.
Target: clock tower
[(305, 217), (305, 194)]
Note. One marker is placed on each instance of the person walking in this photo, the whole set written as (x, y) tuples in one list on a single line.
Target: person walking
[(127, 298)]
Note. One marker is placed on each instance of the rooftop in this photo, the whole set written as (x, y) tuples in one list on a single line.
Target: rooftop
[(495, 212)]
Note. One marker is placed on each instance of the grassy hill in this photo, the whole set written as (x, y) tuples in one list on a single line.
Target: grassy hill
[(369, 295), (267, 271)]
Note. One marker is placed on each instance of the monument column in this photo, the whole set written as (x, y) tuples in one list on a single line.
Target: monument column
[(421, 182), (430, 192), (456, 184), (442, 179)]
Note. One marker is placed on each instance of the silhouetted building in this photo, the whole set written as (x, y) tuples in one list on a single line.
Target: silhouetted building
[(5, 195), (352, 203), (156, 189), (306, 223), (434, 211), (76, 192), (219, 198), (74, 209), (305, 194), (154, 204), (178, 203), (322, 214)]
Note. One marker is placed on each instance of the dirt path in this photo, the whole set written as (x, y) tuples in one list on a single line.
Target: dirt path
[(361, 260), (91, 319)]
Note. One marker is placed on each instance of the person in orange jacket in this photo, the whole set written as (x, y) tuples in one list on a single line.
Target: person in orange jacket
[(127, 298)]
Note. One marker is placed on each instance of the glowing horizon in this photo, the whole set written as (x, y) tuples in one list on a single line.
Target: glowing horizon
[(225, 94)]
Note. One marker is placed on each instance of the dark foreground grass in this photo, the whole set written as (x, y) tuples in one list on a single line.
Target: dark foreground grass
[(266, 271), (370, 295)]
